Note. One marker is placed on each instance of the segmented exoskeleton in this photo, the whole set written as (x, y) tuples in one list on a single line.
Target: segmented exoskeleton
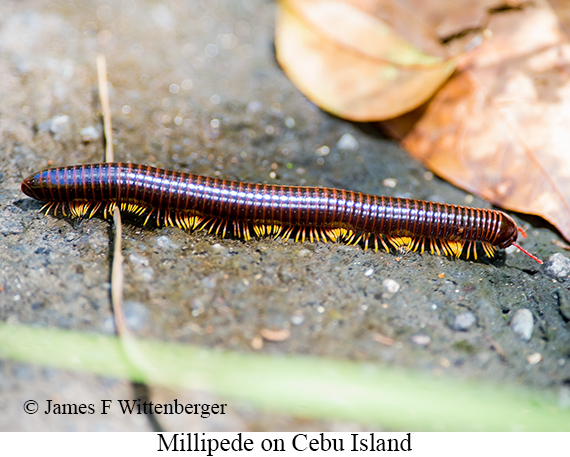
[(315, 213)]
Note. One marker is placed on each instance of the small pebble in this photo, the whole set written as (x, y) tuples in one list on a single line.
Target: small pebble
[(558, 267), (217, 247), (163, 243), (58, 125), (90, 134), (421, 340), (535, 358), (323, 151), (522, 324), (511, 250), (347, 143), (464, 321), (297, 319), (369, 272), (390, 286), (390, 182)]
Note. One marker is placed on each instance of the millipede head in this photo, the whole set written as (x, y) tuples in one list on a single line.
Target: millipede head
[(508, 234)]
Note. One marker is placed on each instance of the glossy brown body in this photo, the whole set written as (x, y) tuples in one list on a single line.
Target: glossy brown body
[(265, 204)]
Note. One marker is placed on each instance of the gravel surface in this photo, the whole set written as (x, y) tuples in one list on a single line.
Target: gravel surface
[(195, 86)]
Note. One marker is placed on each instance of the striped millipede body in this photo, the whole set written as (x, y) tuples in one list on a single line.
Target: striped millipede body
[(221, 206)]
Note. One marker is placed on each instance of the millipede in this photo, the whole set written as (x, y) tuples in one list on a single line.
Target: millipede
[(195, 202)]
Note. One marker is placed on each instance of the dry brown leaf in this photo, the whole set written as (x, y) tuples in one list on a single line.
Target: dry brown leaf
[(350, 62), (452, 17), (562, 10), (501, 126)]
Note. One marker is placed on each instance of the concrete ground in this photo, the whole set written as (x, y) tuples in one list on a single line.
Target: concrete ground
[(196, 87)]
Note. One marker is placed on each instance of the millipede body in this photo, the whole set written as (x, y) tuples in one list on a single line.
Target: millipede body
[(316, 213)]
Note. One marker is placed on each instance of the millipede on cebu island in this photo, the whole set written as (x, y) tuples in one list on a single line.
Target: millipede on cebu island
[(196, 202)]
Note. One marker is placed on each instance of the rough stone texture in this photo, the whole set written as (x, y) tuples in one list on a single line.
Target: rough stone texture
[(558, 267), (195, 86)]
